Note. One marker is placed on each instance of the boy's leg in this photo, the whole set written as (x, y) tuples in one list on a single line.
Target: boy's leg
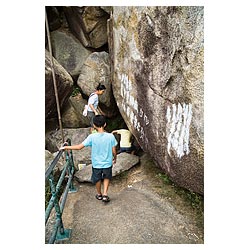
[(98, 187), (97, 179), (107, 175), (105, 186)]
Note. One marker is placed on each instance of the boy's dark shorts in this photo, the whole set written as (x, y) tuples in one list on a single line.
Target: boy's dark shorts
[(100, 174)]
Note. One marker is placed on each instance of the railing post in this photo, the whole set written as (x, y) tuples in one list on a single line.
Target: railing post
[(59, 232), (71, 168)]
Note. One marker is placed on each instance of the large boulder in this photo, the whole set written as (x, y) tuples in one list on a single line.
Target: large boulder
[(95, 70), (72, 116), (123, 163), (53, 141), (157, 55), (95, 23), (69, 52), (76, 26), (64, 83), (53, 16)]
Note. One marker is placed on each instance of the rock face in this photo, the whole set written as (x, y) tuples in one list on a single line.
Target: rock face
[(157, 55), (64, 86), (74, 19), (69, 52), (88, 24), (95, 70), (53, 141), (72, 116), (95, 23), (124, 162)]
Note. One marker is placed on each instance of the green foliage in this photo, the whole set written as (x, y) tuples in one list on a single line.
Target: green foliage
[(76, 90), (165, 178), (194, 199)]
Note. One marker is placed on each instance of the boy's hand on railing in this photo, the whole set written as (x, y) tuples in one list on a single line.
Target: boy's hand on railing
[(63, 146)]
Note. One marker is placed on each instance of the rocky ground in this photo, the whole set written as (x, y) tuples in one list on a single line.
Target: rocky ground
[(143, 209)]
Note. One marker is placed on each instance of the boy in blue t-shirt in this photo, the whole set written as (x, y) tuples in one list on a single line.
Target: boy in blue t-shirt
[(103, 156)]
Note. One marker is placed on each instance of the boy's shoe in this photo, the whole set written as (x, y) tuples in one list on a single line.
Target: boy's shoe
[(98, 197), (105, 198)]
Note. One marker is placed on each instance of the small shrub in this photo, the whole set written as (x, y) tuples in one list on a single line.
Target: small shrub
[(76, 90), (196, 200)]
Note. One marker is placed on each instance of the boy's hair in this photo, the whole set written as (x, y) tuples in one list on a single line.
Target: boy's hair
[(99, 121), (100, 87)]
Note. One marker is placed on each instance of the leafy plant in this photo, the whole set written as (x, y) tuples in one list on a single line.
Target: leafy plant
[(76, 90), (165, 178), (196, 200)]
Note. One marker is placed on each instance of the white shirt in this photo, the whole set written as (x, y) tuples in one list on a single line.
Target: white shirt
[(93, 99)]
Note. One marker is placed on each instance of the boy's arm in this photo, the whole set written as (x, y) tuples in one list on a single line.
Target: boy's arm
[(114, 154), (99, 111), (73, 147), (94, 110)]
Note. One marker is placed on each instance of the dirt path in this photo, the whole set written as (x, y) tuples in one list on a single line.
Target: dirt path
[(141, 210)]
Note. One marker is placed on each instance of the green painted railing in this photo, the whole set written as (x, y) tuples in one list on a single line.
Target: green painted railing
[(58, 198)]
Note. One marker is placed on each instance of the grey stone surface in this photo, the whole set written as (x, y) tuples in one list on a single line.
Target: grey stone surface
[(136, 213), (124, 162), (69, 52), (64, 86), (158, 85)]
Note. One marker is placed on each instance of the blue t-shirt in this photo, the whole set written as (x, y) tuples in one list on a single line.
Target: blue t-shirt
[(101, 149)]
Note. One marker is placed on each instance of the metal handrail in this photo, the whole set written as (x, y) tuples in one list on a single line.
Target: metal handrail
[(59, 233)]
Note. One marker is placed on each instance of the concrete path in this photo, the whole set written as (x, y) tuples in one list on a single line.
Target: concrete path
[(136, 214)]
